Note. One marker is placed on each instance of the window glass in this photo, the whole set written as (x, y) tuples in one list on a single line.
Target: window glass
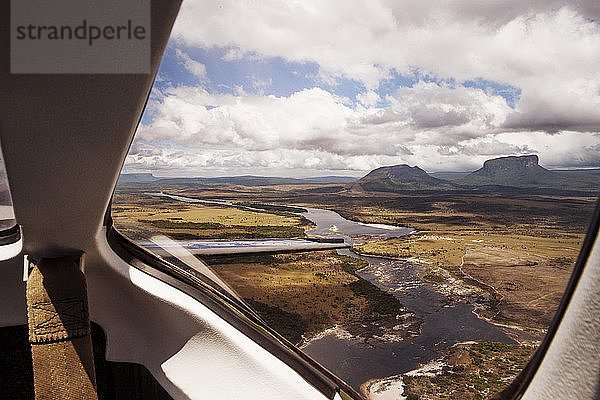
[(399, 192), (7, 215)]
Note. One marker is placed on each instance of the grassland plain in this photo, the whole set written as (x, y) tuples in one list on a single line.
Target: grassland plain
[(299, 295), (140, 216), (523, 275), (510, 254), (515, 251)]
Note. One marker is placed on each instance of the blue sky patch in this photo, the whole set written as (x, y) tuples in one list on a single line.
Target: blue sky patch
[(510, 93), (263, 76)]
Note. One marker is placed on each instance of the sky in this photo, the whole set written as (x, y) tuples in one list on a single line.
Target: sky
[(340, 87)]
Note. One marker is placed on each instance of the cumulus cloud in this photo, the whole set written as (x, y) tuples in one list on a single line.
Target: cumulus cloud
[(369, 98), (268, 162), (430, 105), (548, 50), (315, 130), (310, 120)]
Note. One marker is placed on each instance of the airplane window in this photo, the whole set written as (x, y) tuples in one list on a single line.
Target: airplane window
[(7, 215), (400, 193)]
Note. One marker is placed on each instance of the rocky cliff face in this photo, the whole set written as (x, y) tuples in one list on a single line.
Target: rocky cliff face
[(512, 163), (519, 171), (514, 171)]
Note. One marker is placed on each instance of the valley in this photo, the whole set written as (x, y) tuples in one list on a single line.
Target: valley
[(503, 252)]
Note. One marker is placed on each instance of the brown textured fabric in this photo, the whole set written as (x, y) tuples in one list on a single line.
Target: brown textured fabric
[(59, 331)]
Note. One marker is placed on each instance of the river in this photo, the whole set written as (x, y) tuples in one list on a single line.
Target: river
[(444, 323)]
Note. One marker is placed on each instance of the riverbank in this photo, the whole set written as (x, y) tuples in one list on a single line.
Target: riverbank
[(465, 371), (512, 281)]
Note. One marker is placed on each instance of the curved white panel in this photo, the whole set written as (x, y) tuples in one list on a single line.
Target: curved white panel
[(11, 250), (190, 350), (571, 366)]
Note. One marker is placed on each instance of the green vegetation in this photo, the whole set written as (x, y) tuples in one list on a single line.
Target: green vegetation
[(270, 260), (381, 304), (563, 262), (352, 265), (433, 277), (470, 371), (290, 325), (211, 230), (305, 293)]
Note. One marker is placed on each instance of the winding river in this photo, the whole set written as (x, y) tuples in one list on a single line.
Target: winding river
[(443, 326)]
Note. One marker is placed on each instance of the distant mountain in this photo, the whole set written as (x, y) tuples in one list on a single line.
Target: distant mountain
[(399, 178), (500, 174), (579, 173), (138, 178), (525, 172), (245, 180), (581, 179), (517, 171), (514, 173)]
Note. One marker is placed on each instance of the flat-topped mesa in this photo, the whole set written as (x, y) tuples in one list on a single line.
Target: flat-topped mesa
[(518, 171), (496, 174), (511, 163)]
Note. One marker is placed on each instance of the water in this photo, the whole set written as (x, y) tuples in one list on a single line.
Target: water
[(443, 324), (330, 223)]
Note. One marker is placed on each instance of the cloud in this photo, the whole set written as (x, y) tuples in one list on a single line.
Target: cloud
[(554, 107), (431, 105), (193, 67), (368, 98), (533, 45), (198, 162), (446, 114), (313, 129)]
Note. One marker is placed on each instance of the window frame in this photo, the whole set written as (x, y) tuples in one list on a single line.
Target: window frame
[(243, 318), (236, 313), (10, 235)]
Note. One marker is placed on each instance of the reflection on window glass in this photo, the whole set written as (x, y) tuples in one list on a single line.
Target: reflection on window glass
[(408, 216), (7, 215)]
